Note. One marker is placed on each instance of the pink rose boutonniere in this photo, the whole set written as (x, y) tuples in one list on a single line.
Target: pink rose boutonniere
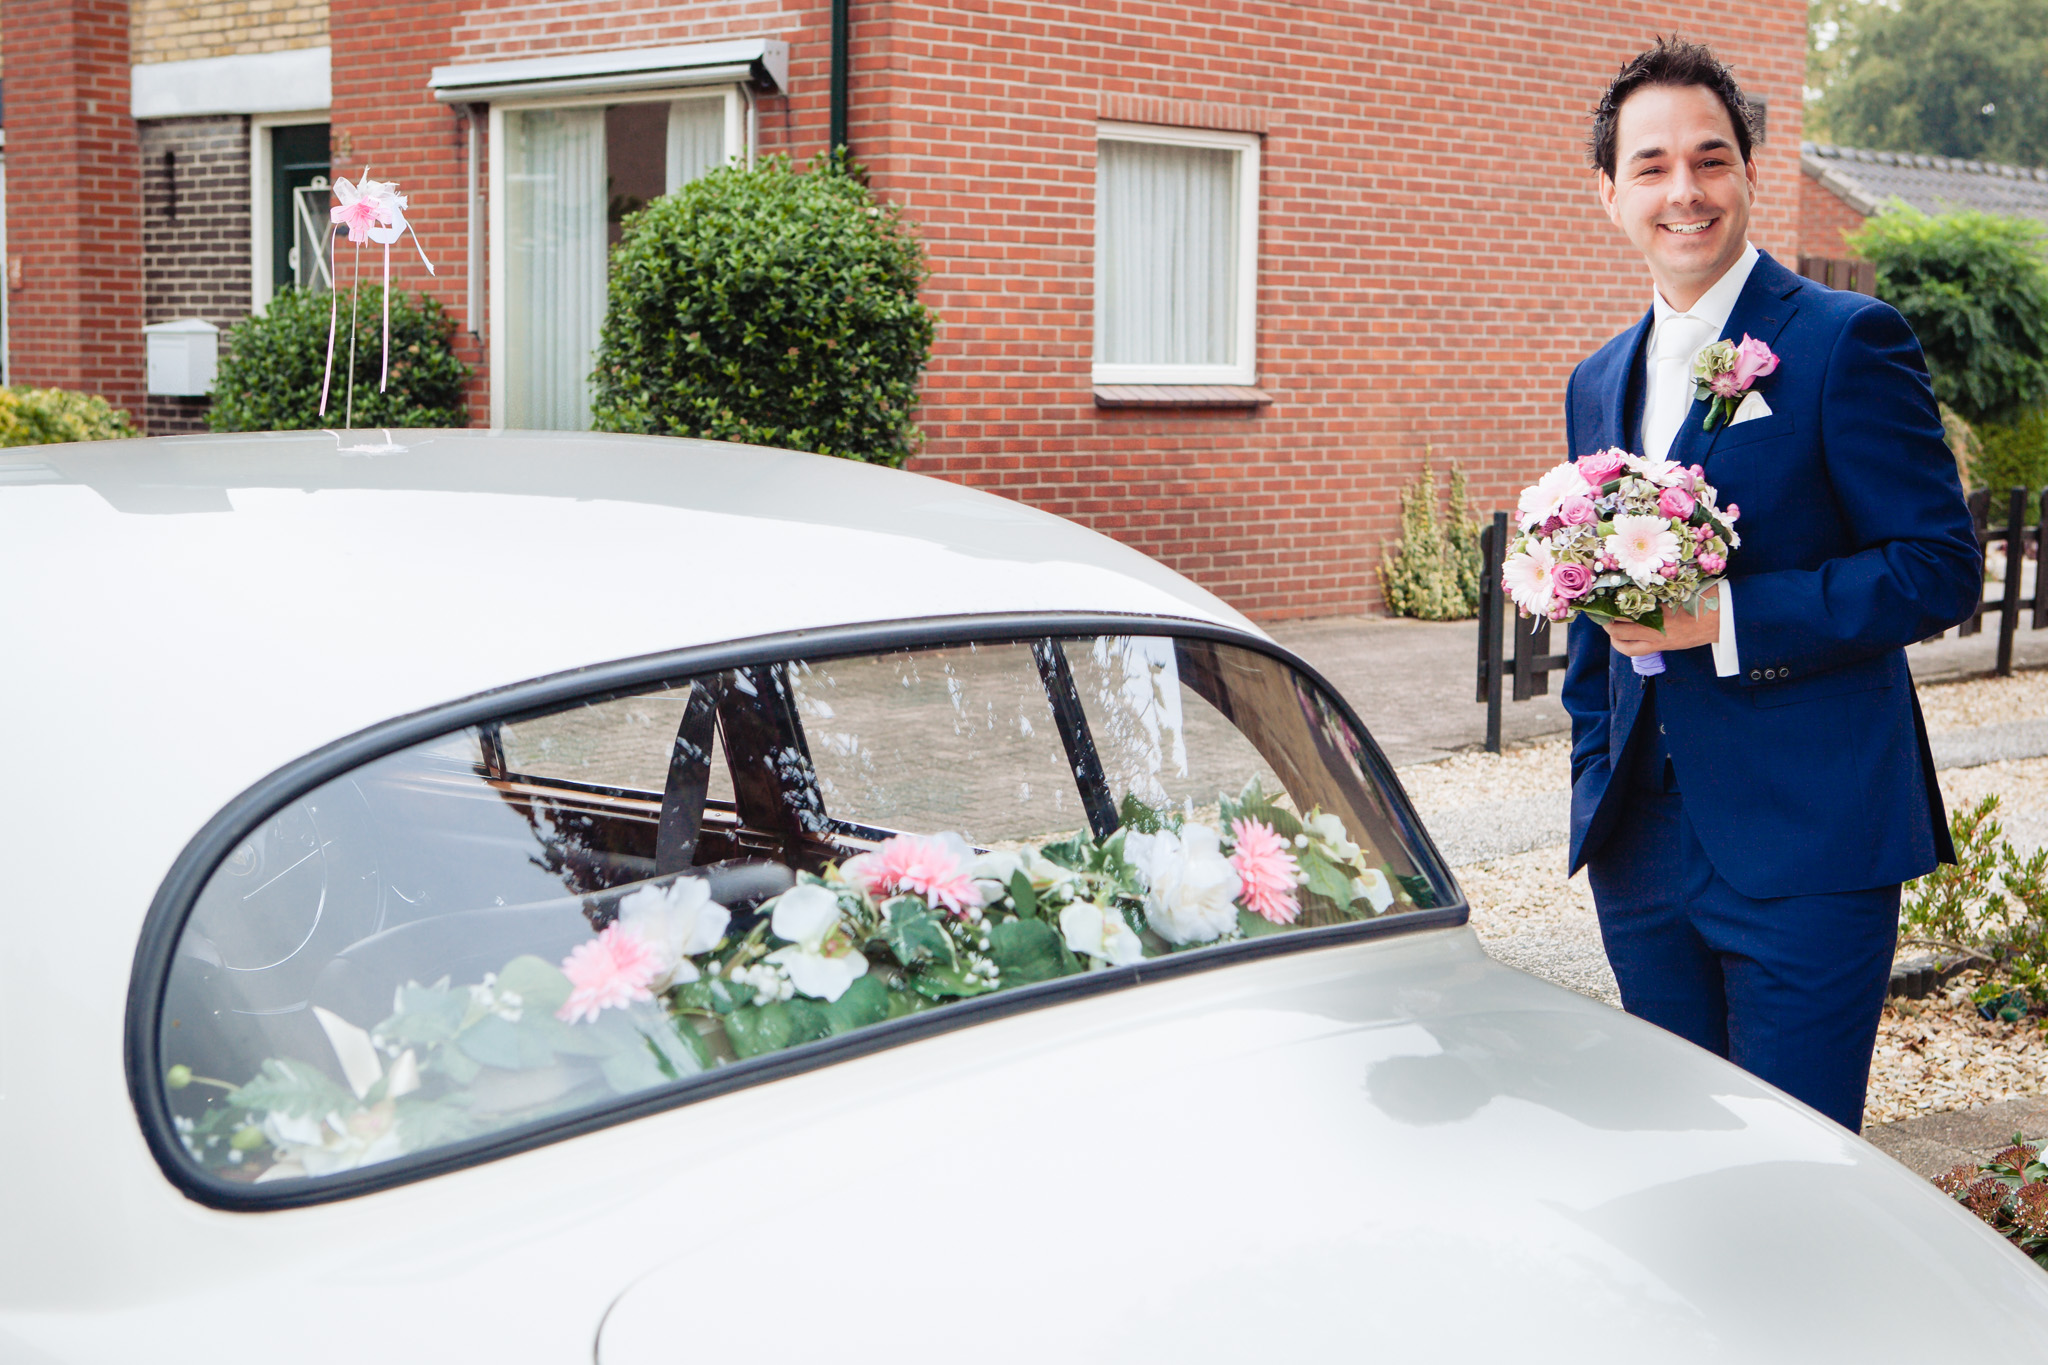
[(1723, 372)]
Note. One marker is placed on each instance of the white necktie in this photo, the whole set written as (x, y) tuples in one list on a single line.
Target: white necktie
[(1679, 338)]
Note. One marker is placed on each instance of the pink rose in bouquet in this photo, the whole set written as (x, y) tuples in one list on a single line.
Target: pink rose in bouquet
[(1577, 511), (1597, 468), (1657, 540), (1569, 581)]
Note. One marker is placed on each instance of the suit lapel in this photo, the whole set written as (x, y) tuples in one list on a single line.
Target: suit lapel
[(1761, 311), (1615, 411)]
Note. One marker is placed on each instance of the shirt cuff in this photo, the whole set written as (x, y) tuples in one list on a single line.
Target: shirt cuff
[(1727, 662)]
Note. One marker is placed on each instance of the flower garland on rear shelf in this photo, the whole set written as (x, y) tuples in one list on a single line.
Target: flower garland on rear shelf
[(667, 988)]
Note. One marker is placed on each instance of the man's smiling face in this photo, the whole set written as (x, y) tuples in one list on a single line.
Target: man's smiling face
[(1680, 190)]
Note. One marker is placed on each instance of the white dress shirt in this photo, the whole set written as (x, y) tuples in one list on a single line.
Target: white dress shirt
[(1675, 339)]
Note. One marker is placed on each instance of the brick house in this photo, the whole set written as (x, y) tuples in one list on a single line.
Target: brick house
[(1213, 279), (1842, 186)]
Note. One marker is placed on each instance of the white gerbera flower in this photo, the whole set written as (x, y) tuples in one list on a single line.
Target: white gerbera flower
[(821, 960), (1101, 933), (1527, 576), (1641, 546), (1540, 500), (1191, 888), (677, 921)]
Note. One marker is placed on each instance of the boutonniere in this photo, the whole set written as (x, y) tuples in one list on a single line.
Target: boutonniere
[(1723, 372)]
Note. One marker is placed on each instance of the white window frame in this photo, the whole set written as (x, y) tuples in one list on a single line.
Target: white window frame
[(1245, 371), (260, 286), (738, 147)]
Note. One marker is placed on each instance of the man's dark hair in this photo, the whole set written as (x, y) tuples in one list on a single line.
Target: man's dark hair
[(1673, 61)]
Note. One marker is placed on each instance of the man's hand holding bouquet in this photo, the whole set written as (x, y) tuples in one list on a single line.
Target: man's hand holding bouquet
[(1622, 538)]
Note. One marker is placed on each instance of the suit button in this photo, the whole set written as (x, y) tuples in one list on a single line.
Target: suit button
[(1755, 674)]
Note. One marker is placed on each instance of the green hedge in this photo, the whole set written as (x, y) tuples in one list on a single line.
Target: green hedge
[(270, 372), (37, 417), (768, 306), (1974, 286)]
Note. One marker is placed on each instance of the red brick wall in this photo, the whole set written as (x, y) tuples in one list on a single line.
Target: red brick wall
[(383, 117), (1432, 260), (74, 211), (1823, 219)]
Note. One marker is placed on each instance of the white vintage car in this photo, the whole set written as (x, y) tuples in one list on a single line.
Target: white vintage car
[(511, 898)]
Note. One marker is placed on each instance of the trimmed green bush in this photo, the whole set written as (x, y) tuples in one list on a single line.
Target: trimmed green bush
[(38, 417), (2015, 456), (270, 368), (768, 306), (1974, 287), (1432, 572)]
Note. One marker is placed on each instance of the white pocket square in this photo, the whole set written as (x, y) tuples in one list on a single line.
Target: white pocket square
[(1752, 407)]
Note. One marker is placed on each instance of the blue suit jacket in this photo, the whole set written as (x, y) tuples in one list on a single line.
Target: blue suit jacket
[(1809, 771)]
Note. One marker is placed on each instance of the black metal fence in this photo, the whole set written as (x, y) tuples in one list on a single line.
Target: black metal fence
[(1518, 668), (1532, 662), (2018, 542)]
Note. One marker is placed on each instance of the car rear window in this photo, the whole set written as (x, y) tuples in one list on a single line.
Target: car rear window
[(561, 913)]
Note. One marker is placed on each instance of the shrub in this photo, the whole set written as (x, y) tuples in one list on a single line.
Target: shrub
[(2010, 1192), (767, 306), (270, 375), (36, 417), (2015, 456), (1991, 905), (1964, 444), (1432, 572), (1975, 289)]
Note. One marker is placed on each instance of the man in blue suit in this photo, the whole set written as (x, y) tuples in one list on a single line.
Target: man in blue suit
[(1748, 815)]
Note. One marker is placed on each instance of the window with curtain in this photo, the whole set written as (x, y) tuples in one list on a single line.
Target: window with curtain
[(571, 176), (1175, 255)]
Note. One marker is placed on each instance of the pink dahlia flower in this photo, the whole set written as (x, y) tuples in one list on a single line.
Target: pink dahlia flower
[(1267, 871), (938, 868), (609, 972)]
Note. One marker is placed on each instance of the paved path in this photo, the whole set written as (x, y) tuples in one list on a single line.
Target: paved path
[(1413, 682)]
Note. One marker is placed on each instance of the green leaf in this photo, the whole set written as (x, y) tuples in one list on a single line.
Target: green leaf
[(943, 983), (1072, 853), (712, 995), (493, 1042), (1323, 877), (1030, 950), (1418, 888), (760, 1029), (1023, 896), (865, 1002), (295, 1088), (914, 935), (540, 985), (427, 1016), (1134, 814), (1255, 926)]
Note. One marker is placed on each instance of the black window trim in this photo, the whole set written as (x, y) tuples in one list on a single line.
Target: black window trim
[(179, 892)]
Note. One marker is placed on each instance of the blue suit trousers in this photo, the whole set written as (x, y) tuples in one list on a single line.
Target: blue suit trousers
[(1789, 989)]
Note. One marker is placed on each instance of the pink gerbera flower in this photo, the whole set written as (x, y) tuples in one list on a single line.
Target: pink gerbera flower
[(609, 972), (937, 868), (1267, 870)]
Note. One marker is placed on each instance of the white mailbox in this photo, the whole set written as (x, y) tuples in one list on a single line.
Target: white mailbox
[(182, 356)]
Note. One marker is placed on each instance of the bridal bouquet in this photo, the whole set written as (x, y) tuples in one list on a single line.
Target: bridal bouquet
[(1619, 537)]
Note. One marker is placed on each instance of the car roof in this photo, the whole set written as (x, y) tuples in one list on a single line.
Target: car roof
[(187, 614)]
